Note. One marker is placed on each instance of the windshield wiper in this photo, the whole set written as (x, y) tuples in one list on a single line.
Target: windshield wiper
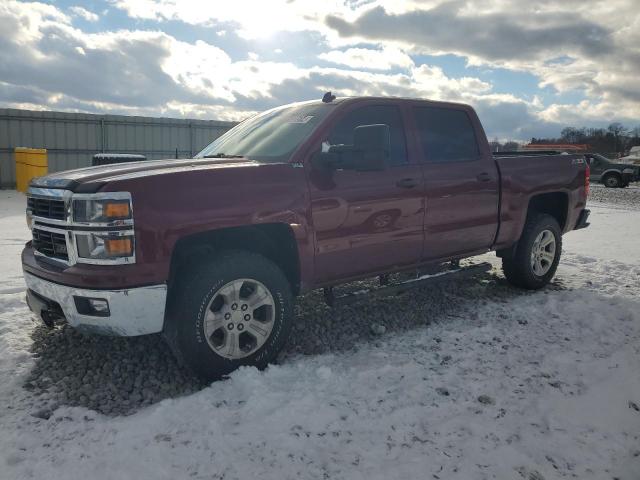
[(222, 155)]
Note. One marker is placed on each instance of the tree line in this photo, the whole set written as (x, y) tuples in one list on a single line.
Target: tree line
[(615, 140)]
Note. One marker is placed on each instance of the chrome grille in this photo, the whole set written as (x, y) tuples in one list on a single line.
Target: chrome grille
[(51, 244), (46, 208)]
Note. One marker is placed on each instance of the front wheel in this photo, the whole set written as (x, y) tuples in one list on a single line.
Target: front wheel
[(612, 181), (234, 310), (537, 254)]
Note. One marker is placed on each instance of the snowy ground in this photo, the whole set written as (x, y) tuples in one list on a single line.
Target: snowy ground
[(472, 380)]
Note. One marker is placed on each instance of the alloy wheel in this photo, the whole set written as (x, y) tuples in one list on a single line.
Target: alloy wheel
[(543, 252), (239, 318)]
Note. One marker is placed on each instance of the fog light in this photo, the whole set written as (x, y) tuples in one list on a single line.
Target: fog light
[(96, 307)]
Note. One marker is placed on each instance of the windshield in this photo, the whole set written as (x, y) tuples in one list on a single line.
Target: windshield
[(268, 137)]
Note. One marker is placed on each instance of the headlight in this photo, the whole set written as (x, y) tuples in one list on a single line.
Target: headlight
[(112, 209), (105, 246)]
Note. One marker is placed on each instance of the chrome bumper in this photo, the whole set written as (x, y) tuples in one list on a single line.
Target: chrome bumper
[(134, 311)]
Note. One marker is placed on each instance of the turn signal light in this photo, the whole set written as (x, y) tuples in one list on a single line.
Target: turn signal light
[(118, 246), (117, 210)]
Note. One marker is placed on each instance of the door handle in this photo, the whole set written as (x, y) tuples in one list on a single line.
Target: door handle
[(408, 183), (484, 177)]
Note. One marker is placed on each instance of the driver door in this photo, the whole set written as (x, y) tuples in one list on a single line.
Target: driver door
[(367, 222), (596, 168)]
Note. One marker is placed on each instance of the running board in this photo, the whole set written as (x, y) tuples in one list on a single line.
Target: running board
[(396, 288)]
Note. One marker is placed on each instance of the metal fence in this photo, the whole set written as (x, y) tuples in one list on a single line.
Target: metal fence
[(71, 139)]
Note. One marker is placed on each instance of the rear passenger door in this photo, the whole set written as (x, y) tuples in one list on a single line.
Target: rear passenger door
[(366, 222), (461, 183)]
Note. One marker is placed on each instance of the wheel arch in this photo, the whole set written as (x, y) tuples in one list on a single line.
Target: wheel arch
[(555, 204), (275, 241)]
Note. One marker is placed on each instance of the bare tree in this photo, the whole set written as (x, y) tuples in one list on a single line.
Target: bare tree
[(495, 145), (617, 130)]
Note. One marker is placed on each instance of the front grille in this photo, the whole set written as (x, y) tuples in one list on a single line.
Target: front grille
[(44, 207), (50, 244)]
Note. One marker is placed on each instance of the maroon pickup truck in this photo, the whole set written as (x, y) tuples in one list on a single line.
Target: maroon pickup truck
[(211, 251)]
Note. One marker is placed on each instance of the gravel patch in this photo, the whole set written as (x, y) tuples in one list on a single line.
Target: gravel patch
[(111, 375), (118, 376), (620, 197)]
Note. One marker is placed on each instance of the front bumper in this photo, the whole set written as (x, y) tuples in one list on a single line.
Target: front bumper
[(629, 178), (582, 219), (132, 312)]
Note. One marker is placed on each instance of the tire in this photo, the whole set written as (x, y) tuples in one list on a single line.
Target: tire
[(526, 267), (206, 314), (612, 181)]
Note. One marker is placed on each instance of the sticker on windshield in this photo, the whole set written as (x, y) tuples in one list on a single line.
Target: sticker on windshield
[(301, 119)]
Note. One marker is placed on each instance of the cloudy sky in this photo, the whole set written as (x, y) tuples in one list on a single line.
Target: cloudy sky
[(528, 67)]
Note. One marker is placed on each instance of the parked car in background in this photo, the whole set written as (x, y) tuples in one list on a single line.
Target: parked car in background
[(611, 174), (211, 251)]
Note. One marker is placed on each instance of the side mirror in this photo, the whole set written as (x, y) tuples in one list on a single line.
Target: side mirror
[(369, 152), (371, 146)]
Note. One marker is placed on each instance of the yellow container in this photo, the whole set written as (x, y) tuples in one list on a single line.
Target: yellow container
[(30, 163)]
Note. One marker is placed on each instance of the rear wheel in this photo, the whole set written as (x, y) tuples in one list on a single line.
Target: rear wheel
[(612, 181), (234, 310), (537, 254)]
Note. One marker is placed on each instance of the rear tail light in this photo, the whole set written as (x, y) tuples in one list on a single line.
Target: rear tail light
[(587, 174)]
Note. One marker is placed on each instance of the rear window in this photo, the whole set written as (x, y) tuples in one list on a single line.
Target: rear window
[(446, 134)]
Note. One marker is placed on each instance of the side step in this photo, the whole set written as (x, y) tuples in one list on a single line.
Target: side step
[(396, 288)]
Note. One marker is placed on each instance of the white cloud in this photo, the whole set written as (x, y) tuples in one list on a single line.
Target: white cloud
[(256, 19), (602, 39), (383, 59), (598, 43), (84, 13), (198, 67), (50, 63)]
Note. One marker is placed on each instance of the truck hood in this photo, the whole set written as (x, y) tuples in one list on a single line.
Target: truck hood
[(91, 179), (626, 165), (630, 159)]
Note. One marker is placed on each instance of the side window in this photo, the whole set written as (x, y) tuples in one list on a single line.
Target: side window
[(342, 132), (446, 134)]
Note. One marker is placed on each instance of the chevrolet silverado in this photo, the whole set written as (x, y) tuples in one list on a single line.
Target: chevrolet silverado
[(211, 251)]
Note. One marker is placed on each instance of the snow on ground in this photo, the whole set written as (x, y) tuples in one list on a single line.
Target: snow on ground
[(506, 385)]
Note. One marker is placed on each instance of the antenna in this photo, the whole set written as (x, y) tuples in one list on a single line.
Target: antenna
[(328, 97)]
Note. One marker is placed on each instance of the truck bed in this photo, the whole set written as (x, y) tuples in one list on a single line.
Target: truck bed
[(529, 172)]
